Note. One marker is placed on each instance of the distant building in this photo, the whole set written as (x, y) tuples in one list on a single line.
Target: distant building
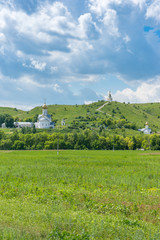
[(44, 119), (3, 125), (145, 130), (63, 123), (109, 98), (23, 124)]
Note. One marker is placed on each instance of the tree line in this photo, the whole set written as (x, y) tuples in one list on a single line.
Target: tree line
[(85, 139)]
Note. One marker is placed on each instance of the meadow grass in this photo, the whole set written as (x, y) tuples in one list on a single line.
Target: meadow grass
[(79, 195)]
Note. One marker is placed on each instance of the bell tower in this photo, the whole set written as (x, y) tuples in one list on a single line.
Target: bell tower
[(109, 98)]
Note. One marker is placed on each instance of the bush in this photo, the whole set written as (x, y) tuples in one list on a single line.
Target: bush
[(18, 145)]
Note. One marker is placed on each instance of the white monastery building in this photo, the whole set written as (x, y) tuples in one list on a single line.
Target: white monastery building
[(23, 124), (44, 119)]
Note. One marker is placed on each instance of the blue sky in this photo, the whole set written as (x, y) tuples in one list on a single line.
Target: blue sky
[(75, 51)]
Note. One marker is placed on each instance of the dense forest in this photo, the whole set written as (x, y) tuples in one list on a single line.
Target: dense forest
[(29, 139)]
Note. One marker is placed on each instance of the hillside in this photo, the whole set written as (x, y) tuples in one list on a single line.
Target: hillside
[(136, 113), (14, 112), (94, 115)]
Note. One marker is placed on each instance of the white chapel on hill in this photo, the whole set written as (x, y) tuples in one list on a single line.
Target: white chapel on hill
[(44, 119), (145, 130)]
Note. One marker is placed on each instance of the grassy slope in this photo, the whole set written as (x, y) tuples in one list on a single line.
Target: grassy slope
[(138, 113), (68, 112), (79, 195), (12, 111)]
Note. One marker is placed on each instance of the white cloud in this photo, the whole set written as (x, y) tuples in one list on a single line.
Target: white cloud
[(2, 37), (139, 3), (17, 105), (90, 78), (153, 10), (29, 83), (81, 48), (88, 102), (20, 54), (126, 38), (8, 3), (53, 18), (87, 28), (101, 6), (111, 23), (38, 65), (57, 88), (146, 92)]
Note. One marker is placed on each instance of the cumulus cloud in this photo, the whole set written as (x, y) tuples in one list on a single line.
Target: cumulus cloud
[(87, 28), (51, 18), (51, 36), (46, 45), (146, 92), (101, 6), (110, 22), (153, 11)]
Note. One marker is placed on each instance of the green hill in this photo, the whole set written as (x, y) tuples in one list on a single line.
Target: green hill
[(136, 113), (95, 115), (14, 112)]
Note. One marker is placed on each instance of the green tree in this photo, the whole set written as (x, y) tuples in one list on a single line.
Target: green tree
[(2, 135), (34, 129), (9, 121), (49, 145), (18, 145), (6, 144)]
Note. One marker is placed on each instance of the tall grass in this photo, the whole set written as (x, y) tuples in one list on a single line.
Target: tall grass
[(79, 195)]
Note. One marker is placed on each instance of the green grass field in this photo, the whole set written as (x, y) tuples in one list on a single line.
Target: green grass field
[(79, 195)]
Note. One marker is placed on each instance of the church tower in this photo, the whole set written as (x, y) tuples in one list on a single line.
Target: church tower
[(44, 110), (109, 98)]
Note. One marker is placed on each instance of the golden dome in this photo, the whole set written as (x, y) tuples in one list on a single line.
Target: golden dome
[(44, 106)]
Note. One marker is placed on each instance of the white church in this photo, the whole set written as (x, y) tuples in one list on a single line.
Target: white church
[(146, 130), (44, 119)]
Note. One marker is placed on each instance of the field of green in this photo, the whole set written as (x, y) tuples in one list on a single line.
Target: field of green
[(79, 195)]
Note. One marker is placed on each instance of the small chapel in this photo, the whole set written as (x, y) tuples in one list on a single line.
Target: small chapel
[(146, 130), (44, 119)]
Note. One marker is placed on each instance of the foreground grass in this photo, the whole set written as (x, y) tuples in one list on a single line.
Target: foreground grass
[(79, 195)]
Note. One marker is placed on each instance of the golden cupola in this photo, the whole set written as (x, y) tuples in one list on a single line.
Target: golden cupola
[(44, 106)]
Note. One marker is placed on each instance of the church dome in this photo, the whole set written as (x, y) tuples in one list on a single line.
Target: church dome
[(44, 106)]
